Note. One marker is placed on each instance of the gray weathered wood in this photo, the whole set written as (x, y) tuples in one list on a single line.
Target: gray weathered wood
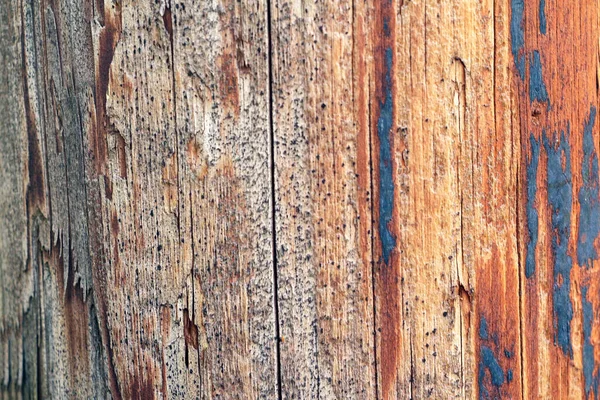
[(323, 206), (136, 254)]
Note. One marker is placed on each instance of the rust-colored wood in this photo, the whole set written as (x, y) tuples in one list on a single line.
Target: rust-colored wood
[(557, 100)]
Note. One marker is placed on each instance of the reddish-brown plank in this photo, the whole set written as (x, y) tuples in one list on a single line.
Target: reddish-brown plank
[(555, 51)]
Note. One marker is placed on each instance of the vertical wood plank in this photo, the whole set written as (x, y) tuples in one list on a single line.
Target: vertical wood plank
[(60, 351), (221, 81), (17, 277), (137, 260), (555, 54), (445, 202), (187, 129), (322, 198), (136, 147), (495, 225)]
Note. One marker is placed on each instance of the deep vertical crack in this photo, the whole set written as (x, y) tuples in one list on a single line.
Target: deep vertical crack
[(373, 265), (272, 199), (169, 23), (520, 275)]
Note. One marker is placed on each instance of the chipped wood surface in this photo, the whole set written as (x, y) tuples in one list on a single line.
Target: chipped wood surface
[(299, 200), (137, 260)]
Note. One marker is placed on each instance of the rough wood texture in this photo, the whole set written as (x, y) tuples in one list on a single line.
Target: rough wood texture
[(556, 52), (322, 191), (136, 250), (299, 200)]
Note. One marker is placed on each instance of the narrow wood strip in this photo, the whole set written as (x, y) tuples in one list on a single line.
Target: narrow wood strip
[(321, 73)]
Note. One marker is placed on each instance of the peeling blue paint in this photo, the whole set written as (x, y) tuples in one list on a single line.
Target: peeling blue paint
[(483, 328), (591, 380), (517, 36), (532, 213), (537, 87), (489, 362), (589, 200), (386, 26), (543, 17), (509, 376), (386, 181), (560, 197)]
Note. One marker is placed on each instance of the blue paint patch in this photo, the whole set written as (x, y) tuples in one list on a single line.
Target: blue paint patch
[(489, 362), (532, 213), (543, 17), (507, 354), (483, 328), (589, 200), (591, 380), (517, 36), (386, 26), (386, 181), (509, 376), (560, 197), (537, 87)]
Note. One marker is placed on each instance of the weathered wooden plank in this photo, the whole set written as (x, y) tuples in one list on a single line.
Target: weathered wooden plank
[(221, 80), (444, 178), (136, 147), (16, 277), (495, 228), (137, 260), (188, 158), (59, 352), (555, 52), (286, 199), (320, 78)]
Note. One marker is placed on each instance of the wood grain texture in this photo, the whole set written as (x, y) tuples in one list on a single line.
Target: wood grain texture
[(445, 200), (137, 260), (322, 200), (299, 200), (557, 99)]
